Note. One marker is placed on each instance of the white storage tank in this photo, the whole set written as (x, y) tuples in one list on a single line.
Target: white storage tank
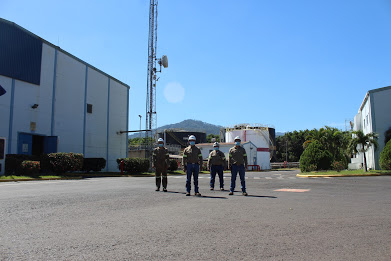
[(259, 136)]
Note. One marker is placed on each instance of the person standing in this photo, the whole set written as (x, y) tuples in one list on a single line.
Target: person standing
[(160, 161), (216, 164), (237, 163), (192, 161)]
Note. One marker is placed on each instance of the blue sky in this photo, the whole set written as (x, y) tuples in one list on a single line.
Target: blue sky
[(295, 65)]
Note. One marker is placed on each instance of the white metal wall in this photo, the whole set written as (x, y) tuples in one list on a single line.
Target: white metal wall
[(73, 126), (382, 109)]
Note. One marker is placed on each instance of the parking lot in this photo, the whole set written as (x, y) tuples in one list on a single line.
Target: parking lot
[(283, 218)]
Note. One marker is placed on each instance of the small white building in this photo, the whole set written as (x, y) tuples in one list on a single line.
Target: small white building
[(250, 148), (55, 102), (373, 116)]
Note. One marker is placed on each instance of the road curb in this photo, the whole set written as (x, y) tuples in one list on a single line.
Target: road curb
[(331, 176), (16, 180)]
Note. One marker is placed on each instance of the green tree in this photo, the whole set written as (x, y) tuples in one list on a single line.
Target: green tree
[(333, 140), (211, 136), (315, 157), (385, 157), (135, 141), (361, 143)]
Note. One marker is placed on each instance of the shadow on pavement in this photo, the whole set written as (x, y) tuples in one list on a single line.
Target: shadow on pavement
[(255, 196), (184, 193), (213, 197)]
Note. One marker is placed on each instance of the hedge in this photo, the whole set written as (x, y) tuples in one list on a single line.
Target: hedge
[(173, 165), (385, 157), (93, 164), (134, 165), (13, 163), (315, 157), (62, 162), (30, 168)]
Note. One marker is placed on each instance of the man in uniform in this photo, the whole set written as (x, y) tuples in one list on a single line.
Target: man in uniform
[(216, 163), (160, 161), (192, 160), (237, 163)]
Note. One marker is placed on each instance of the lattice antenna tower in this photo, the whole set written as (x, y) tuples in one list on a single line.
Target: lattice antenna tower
[(151, 116)]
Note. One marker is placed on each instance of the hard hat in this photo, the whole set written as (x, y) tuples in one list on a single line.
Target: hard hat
[(216, 144), (192, 137), (237, 138), (160, 140)]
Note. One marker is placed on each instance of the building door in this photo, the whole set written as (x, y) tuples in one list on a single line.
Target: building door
[(25, 143), (30, 144), (50, 144)]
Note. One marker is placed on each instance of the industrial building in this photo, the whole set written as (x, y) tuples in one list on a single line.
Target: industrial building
[(373, 116), (180, 137), (250, 148), (55, 102)]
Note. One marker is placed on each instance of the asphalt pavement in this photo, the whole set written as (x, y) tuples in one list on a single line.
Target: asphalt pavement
[(283, 218)]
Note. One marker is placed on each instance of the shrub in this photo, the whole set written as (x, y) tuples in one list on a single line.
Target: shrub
[(13, 163), (30, 168), (134, 165), (93, 164), (315, 157), (62, 162), (173, 165), (338, 166), (385, 157)]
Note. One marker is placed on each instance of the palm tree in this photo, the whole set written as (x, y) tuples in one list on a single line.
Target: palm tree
[(361, 143)]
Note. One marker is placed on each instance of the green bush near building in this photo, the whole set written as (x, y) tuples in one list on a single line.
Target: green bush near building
[(134, 165), (315, 158), (385, 157)]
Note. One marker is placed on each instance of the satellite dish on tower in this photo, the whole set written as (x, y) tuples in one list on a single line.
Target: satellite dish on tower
[(164, 61)]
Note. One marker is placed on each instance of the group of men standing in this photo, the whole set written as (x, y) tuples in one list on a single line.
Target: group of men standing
[(192, 162)]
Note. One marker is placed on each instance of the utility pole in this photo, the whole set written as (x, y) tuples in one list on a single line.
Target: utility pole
[(139, 139)]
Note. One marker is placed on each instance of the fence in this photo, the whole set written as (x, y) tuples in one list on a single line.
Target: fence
[(280, 165)]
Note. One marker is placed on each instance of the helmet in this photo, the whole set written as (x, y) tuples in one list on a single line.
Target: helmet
[(216, 144), (237, 138), (160, 140), (192, 137)]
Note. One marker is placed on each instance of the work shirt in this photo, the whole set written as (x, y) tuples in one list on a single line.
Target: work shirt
[(237, 156), (192, 154), (216, 157), (160, 157)]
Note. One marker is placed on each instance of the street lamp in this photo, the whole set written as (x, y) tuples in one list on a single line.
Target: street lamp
[(139, 140)]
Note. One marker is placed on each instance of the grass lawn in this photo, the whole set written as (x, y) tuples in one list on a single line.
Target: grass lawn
[(347, 173), (12, 177)]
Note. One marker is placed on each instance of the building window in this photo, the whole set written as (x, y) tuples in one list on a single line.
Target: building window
[(89, 108), (364, 123)]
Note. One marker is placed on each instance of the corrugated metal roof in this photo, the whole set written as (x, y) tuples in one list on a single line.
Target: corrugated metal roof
[(30, 34), (20, 54)]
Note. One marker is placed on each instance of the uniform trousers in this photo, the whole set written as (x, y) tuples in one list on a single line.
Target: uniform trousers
[(219, 170), (158, 174), (192, 170), (234, 172)]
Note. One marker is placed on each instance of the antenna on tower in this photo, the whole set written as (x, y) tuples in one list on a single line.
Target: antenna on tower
[(151, 116)]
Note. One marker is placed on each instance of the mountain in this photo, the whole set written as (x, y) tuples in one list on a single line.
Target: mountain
[(188, 125)]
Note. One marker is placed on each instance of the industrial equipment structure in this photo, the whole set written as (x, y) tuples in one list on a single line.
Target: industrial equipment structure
[(180, 137), (151, 117), (262, 136)]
